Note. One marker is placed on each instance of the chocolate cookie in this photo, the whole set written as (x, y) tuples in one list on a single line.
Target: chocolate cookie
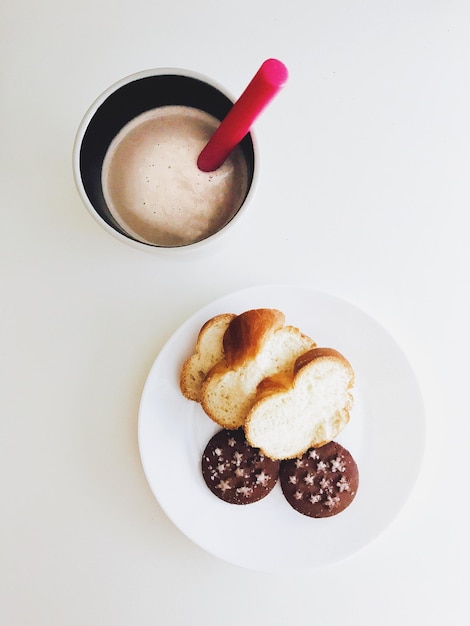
[(322, 482), (236, 472)]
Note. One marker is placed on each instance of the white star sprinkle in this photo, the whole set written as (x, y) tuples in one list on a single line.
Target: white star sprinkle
[(330, 501), (237, 457), (223, 485), (343, 485), (337, 465), (309, 479), (262, 478)]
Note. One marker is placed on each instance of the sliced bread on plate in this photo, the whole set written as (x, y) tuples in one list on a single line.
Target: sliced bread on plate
[(209, 350), (307, 409), (256, 344)]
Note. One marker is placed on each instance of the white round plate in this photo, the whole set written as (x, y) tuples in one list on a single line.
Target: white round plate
[(269, 535)]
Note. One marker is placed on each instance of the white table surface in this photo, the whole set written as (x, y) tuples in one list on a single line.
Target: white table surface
[(364, 194)]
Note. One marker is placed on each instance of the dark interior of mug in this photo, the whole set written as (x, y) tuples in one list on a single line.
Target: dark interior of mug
[(132, 99)]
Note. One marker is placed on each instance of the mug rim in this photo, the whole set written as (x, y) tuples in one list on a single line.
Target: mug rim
[(82, 128)]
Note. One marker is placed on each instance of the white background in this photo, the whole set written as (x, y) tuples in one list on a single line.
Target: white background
[(364, 193)]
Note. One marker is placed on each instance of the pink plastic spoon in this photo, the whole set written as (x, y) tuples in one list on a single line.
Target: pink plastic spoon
[(268, 80)]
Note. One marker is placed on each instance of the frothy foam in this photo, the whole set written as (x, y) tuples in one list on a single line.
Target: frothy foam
[(153, 187)]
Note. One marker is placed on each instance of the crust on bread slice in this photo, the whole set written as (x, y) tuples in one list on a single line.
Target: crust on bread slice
[(309, 409), (256, 345), (209, 350)]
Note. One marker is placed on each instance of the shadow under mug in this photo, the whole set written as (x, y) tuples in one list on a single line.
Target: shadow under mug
[(124, 101)]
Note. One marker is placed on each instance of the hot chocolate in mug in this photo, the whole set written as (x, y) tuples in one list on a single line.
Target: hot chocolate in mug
[(135, 161)]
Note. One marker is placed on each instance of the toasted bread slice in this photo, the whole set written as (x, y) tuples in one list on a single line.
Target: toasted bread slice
[(256, 345), (308, 409), (209, 350)]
